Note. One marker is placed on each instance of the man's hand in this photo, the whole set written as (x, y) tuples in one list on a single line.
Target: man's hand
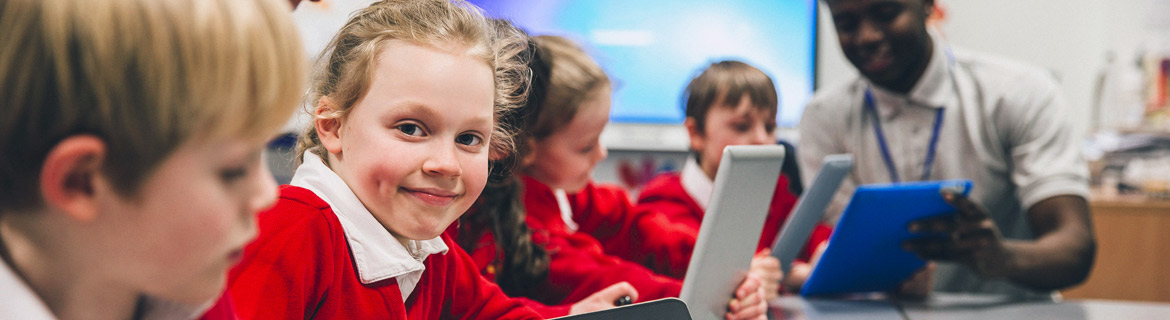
[(969, 237), (919, 285)]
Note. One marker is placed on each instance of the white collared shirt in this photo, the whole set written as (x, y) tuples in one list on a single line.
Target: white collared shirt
[(19, 300), (566, 209), (377, 254), (696, 183)]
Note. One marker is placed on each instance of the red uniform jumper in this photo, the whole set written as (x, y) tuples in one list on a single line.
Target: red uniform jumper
[(488, 259), (664, 236), (578, 264), (301, 266)]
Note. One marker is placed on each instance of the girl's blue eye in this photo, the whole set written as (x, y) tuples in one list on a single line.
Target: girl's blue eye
[(468, 139), (410, 129)]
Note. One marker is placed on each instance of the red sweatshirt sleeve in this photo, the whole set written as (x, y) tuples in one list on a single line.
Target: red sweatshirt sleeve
[(606, 213), (669, 223), (578, 265), (783, 201), (286, 271), (484, 255), (664, 234), (819, 236), (547, 311), (778, 211), (221, 310), (579, 268), (474, 296)]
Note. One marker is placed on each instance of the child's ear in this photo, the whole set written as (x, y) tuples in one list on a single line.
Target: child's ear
[(328, 124), (529, 158), (69, 174), (697, 138)]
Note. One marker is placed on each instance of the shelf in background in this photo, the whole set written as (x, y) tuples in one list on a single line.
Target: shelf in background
[(1133, 249)]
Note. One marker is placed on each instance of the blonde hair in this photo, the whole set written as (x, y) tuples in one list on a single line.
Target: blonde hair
[(345, 69), (573, 77), (142, 75), (725, 83)]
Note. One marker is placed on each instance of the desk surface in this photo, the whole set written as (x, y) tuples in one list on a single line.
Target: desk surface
[(961, 307)]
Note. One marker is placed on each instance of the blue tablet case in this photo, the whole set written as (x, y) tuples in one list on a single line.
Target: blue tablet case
[(865, 251)]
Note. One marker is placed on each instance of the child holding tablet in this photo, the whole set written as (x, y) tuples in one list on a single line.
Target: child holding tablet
[(728, 103)]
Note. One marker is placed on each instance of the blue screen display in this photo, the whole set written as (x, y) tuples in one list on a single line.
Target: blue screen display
[(652, 48)]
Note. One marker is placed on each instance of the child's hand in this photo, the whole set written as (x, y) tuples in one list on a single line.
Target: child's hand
[(802, 270), (767, 269), (797, 276), (749, 301), (604, 299)]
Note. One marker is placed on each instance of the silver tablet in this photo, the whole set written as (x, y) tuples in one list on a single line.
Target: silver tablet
[(810, 208), (731, 228)]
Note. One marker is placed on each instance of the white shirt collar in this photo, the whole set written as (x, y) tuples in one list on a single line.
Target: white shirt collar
[(696, 182), (566, 209), (932, 90), (20, 302), (377, 254)]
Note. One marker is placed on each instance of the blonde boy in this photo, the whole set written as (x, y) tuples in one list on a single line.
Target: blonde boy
[(131, 133)]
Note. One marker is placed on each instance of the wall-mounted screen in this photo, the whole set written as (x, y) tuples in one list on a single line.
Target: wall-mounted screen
[(652, 48)]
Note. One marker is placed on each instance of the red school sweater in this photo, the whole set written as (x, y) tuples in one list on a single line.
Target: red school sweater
[(665, 234), (489, 261), (301, 267), (579, 266)]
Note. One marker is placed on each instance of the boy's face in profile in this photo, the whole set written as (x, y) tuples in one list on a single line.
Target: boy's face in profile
[(885, 39), (188, 223), (741, 124)]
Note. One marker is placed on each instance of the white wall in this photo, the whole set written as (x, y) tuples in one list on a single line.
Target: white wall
[(1068, 37)]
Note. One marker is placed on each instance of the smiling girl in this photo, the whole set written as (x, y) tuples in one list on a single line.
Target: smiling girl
[(406, 105)]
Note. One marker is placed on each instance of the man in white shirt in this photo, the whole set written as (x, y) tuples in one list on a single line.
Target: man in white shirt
[(921, 111)]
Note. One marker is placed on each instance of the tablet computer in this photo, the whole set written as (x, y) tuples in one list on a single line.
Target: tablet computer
[(731, 228), (810, 208), (865, 251), (661, 309)]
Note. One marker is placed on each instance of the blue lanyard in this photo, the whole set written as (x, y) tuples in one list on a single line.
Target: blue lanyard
[(881, 138)]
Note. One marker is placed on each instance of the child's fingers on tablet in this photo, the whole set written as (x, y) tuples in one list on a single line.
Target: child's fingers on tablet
[(751, 306)]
